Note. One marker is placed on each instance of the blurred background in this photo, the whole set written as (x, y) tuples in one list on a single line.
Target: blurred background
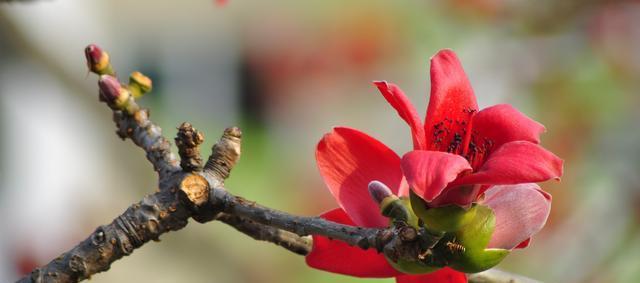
[(286, 72)]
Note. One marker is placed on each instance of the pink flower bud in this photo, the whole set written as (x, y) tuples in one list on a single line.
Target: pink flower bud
[(112, 92), (97, 60), (379, 191)]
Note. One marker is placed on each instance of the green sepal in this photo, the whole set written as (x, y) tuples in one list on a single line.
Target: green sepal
[(474, 237), (412, 267), (448, 218)]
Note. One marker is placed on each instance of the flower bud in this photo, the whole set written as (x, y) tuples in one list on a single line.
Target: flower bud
[(112, 92), (97, 60), (391, 206), (379, 191), (139, 84)]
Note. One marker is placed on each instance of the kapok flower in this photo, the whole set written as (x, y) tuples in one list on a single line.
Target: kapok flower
[(460, 154)]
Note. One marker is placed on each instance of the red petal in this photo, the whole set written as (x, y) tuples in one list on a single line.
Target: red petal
[(459, 195), (348, 160), (451, 105), (338, 257), (395, 96), (429, 172), (444, 275), (497, 125), (524, 244), (514, 163), (521, 211)]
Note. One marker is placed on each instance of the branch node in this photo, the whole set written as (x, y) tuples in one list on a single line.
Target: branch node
[(188, 141), (408, 234)]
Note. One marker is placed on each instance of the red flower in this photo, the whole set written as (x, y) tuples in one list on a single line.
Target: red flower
[(459, 155)]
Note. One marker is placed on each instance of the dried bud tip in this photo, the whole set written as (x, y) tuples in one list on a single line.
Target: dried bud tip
[(97, 59), (187, 133), (112, 92), (379, 191), (233, 132)]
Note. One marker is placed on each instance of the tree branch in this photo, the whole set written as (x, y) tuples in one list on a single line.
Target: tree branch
[(182, 195), (290, 241), (147, 136), (300, 225), (146, 220)]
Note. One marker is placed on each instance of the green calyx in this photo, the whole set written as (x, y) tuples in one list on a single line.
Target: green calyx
[(448, 218), (411, 267), (449, 236), (474, 237), (467, 233)]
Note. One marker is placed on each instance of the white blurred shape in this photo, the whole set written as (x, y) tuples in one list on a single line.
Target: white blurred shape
[(50, 165)]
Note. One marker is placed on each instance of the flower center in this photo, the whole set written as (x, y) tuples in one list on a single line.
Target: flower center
[(477, 150), (456, 137)]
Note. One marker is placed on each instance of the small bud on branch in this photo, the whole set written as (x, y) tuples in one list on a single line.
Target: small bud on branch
[(379, 191), (98, 60), (139, 84), (113, 93)]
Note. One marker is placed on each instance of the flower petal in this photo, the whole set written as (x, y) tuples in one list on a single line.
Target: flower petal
[(514, 163), (396, 97), (521, 211), (338, 257), (444, 275), (459, 195), (497, 125), (429, 172), (451, 105), (348, 160), (524, 244)]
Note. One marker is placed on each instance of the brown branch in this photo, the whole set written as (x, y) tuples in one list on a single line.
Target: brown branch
[(180, 196), (147, 136), (356, 236), (131, 120), (155, 215), (290, 241)]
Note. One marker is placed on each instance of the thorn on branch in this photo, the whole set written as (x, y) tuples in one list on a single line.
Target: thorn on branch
[(188, 141)]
